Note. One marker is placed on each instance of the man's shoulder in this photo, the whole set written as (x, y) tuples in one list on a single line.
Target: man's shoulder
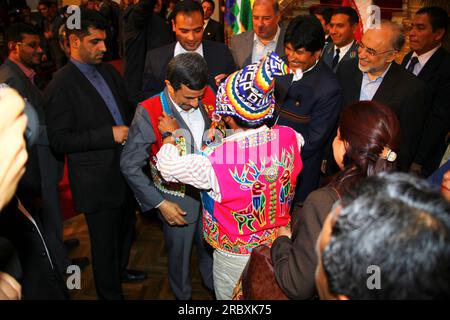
[(215, 46), (162, 51), (404, 77), (8, 69), (238, 38)]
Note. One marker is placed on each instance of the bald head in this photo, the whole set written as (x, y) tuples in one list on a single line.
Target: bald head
[(379, 47), (265, 18)]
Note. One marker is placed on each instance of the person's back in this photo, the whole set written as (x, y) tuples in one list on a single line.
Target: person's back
[(389, 239)]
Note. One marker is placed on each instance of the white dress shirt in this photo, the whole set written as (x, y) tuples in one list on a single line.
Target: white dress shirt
[(423, 59), (179, 49), (195, 122), (343, 51), (260, 50)]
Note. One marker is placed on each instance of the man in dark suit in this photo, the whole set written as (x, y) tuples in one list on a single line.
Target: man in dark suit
[(431, 63), (377, 77), (188, 27), (213, 30), (178, 204), (312, 104), (324, 15), (39, 186), (143, 30), (267, 35), (87, 116), (343, 46)]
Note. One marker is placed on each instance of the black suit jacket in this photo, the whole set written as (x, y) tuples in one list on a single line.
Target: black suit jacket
[(311, 107), (217, 56), (40, 278), (11, 74), (213, 31), (436, 76), (143, 31), (80, 126), (399, 90)]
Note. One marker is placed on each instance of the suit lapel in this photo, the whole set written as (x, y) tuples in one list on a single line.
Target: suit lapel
[(432, 64), (115, 91), (385, 90), (280, 43), (406, 59), (282, 85), (352, 53), (94, 95)]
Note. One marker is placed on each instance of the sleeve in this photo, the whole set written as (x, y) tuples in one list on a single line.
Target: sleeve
[(193, 169), (412, 121), (135, 157), (295, 260), (437, 124), (63, 134), (323, 119)]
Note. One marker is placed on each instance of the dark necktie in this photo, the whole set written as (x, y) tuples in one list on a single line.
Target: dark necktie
[(336, 58), (412, 64)]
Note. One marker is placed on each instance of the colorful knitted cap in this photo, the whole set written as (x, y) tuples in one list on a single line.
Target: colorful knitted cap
[(248, 93)]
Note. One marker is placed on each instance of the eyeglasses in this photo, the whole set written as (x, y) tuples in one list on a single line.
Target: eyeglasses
[(32, 45), (371, 51)]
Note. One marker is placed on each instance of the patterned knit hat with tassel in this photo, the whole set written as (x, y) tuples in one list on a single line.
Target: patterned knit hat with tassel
[(249, 92)]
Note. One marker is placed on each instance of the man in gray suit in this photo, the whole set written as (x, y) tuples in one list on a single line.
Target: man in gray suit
[(178, 204), (343, 25), (267, 35)]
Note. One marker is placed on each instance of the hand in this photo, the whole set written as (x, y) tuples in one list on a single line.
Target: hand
[(218, 79), (172, 213), (13, 154), (284, 231), (10, 289), (167, 123), (120, 134), (416, 168)]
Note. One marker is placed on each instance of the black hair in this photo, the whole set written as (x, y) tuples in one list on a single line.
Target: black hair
[(351, 13), (325, 12), (189, 69), (211, 2), (246, 125), (16, 31), (438, 17), (397, 223), (187, 6), (305, 32), (89, 19)]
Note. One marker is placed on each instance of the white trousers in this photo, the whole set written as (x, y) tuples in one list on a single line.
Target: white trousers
[(227, 269)]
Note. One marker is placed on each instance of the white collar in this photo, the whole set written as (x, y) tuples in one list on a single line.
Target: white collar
[(343, 50), (274, 40), (177, 107), (179, 49), (424, 57)]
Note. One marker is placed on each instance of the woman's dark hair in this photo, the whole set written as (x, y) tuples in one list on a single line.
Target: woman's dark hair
[(367, 127)]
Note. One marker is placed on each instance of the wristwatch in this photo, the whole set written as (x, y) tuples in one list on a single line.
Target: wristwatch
[(166, 134)]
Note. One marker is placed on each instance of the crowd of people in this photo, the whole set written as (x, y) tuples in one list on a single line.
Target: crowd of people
[(300, 138)]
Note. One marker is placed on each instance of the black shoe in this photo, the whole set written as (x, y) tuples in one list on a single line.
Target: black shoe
[(71, 244), (81, 262), (133, 276)]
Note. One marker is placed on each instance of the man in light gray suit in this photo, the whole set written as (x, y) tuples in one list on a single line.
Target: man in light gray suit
[(343, 47), (178, 204), (267, 35)]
